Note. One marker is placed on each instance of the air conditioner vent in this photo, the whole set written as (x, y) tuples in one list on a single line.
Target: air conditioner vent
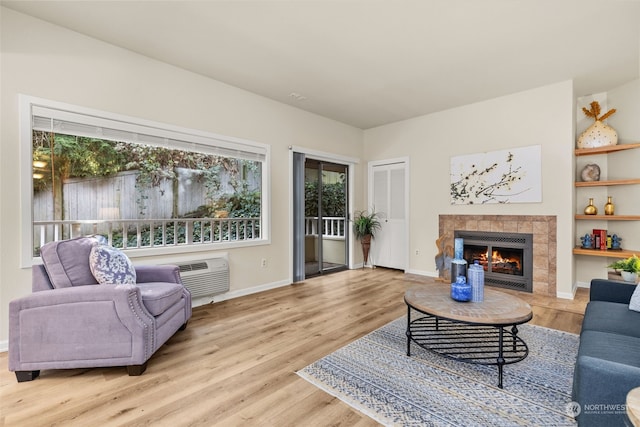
[(193, 266), (205, 277)]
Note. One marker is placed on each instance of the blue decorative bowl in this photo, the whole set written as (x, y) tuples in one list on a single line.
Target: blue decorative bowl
[(461, 291)]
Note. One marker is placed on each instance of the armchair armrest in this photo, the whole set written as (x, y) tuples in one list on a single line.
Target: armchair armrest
[(158, 273), (611, 291)]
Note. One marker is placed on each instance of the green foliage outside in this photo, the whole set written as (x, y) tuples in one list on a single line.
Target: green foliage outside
[(241, 204), (75, 157), (333, 199), (81, 157), (201, 232)]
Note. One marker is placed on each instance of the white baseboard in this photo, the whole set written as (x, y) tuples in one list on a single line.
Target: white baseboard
[(574, 288), (4, 346), (565, 295)]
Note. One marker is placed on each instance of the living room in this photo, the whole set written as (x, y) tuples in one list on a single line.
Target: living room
[(52, 62)]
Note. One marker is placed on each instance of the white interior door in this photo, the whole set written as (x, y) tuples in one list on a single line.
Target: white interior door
[(388, 196)]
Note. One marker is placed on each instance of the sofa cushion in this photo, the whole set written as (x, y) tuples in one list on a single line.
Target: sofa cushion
[(110, 265), (67, 262), (158, 296), (611, 317), (611, 347)]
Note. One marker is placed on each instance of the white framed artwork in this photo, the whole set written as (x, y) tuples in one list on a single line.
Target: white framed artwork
[(504, 176)]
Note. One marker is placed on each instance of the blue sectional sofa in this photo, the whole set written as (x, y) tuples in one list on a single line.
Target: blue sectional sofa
[(608, 362)]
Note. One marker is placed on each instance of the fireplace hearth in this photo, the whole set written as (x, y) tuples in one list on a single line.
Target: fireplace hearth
[(507, 258)]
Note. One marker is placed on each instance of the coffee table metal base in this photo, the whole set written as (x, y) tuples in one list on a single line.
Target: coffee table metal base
[(466, 342)]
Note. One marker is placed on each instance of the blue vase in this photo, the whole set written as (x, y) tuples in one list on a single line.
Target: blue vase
[(460, 289), (476, 281)]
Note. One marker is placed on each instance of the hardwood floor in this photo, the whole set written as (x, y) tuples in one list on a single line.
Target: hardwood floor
[(235, 364)]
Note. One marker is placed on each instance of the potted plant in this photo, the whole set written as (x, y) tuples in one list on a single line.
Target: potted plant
[(365, 226), (628, 267)]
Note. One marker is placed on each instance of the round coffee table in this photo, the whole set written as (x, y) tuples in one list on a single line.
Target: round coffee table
[(633, 406), (473, 332)]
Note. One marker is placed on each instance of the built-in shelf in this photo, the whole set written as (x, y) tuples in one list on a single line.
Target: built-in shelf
[(604, 150), (607, 183), (609, 217), (624, 253)]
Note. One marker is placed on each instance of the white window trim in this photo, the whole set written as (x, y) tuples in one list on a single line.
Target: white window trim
[(27, 104)]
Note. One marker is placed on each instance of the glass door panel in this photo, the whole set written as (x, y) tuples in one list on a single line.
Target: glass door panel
[(325, 217)]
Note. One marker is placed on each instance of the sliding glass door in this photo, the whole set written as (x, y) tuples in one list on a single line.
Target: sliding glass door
[(320, 223)]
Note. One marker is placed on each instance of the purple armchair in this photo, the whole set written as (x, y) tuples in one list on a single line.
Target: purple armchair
[(72, 321)]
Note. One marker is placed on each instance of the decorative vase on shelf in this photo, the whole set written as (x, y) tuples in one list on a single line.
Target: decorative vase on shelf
[(629, 276), (609, 207), (591, 209), (598, 134)]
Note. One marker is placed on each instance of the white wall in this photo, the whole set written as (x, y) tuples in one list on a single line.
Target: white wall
[(542, 116), (47, 61)]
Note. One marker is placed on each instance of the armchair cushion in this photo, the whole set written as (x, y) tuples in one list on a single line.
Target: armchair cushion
[(159, 296), (110, 265), (66, 262)]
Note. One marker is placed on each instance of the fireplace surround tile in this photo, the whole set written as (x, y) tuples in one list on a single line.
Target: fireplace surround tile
[(543, 228), (510, 226), (525, 227)]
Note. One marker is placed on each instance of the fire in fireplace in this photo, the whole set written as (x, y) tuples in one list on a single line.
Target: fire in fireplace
[(507, 258), (500, 260)]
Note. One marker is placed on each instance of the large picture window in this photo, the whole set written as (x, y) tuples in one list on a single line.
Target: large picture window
[(143, 186)]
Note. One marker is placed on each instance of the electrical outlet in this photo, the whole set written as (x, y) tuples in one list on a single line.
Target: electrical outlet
[(417, 251), (263, 263)]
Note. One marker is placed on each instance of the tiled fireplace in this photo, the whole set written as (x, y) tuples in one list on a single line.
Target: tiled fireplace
[(542, 228)]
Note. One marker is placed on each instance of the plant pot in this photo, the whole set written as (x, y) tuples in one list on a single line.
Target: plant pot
[(628, 276), (366, 245)]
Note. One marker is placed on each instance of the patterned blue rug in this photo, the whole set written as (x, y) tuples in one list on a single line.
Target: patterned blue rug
[(375, 376)]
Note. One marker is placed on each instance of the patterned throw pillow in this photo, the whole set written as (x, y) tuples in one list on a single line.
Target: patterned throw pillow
[(634, 304), (110, 265)]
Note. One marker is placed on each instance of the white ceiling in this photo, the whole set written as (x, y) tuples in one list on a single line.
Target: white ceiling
[(370, 62)]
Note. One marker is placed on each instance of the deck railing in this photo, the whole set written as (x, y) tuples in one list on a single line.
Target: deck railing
[(134, 234), (332, 227), (137, 233)]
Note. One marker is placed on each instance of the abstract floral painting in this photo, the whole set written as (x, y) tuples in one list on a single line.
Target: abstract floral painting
[(504, 176)]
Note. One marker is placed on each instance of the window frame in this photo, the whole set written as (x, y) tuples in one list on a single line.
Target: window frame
[(227, 144)]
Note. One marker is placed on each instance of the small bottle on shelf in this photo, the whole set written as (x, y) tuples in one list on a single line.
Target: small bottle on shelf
[(591, 208), (609, 207)]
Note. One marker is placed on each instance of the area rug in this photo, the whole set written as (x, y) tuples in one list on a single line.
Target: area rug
[(375, 376)]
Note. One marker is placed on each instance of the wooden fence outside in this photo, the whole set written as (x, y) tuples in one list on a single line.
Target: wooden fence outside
[(115, 198)]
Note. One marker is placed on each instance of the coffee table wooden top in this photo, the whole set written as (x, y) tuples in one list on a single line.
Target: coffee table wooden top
[(498, 308), (633, 406)]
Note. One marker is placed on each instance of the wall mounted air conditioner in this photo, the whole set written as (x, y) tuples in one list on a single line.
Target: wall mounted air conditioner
[(205, 277)]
